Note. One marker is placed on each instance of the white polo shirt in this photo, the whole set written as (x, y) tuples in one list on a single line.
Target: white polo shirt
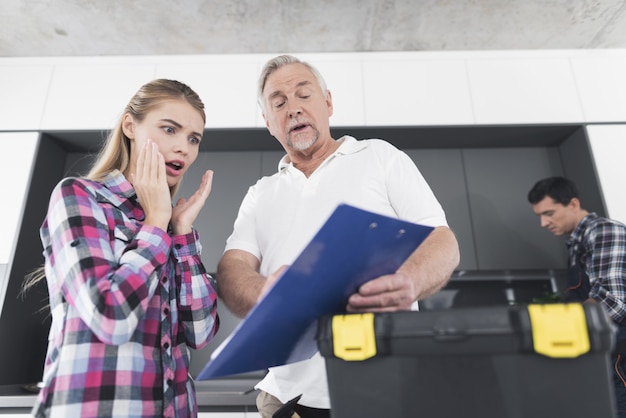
[(281, 213)]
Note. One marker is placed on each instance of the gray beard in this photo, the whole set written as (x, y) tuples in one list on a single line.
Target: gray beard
[(301, 145)]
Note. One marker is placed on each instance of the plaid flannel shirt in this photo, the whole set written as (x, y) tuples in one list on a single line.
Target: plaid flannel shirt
[(127, 300), (599, 244)]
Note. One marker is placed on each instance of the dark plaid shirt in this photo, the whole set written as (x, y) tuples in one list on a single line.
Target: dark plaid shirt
[(599, 245)]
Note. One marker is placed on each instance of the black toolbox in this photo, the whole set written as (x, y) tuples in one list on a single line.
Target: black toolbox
[(526, 361)]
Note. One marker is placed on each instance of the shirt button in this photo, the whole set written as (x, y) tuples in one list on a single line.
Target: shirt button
[(164, 280), (166, 311), (169, 382), (166, 346), (178, 246)]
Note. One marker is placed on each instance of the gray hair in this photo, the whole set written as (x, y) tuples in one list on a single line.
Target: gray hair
[(278, 62)]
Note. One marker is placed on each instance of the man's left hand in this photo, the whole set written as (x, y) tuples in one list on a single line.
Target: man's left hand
[(392, 292)]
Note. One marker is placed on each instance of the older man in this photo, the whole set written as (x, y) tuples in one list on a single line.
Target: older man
[(280, 214)]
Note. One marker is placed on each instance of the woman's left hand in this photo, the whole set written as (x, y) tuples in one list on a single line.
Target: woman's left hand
[(186, 211)]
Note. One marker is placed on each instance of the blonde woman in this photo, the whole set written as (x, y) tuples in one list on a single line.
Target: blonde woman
[(128, 291)]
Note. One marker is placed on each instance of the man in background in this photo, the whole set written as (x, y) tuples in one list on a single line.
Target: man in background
[(597, 260)]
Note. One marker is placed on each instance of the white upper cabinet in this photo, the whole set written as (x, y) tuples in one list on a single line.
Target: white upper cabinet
[(91, 94), (23, 91), (368, 89), (226, 85), (601, 81), (401, 90), (523, 90)]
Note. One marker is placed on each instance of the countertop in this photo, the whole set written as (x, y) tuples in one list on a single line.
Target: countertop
[(224, 394)]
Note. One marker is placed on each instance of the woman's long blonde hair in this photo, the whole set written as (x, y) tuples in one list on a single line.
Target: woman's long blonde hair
[(115, 153)]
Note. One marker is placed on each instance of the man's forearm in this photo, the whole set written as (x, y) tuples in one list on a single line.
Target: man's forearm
[(238, 283), (433, 262)]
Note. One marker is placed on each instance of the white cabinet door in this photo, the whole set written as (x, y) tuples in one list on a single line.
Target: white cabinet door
[(15, 175)]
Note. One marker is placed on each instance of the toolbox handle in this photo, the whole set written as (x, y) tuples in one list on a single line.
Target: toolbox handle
[(450, 329)]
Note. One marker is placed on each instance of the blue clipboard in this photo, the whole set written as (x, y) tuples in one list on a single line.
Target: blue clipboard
[(352, 247)]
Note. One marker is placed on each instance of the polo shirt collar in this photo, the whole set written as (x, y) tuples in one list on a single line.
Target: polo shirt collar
[(348, 145)]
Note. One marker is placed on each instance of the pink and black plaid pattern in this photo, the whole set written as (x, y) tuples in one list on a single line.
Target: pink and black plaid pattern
[(127, 301)]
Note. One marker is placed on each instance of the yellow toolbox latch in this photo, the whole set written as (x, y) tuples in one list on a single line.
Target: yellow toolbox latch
[(353, 336), (559, 330)]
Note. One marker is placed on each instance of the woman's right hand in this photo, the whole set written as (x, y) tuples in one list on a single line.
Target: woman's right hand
[(150, 183)]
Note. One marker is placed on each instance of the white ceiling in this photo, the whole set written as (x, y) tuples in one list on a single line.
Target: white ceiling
[(164, 27)]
